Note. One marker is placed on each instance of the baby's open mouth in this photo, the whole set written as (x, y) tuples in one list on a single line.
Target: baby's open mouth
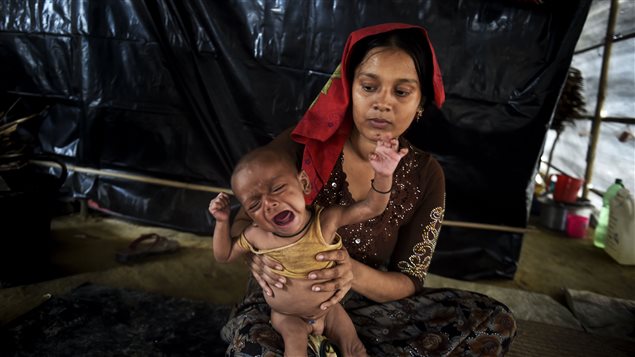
[(283, 218)]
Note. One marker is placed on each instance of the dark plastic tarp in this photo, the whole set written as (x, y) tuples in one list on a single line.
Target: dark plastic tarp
[(179, 90)]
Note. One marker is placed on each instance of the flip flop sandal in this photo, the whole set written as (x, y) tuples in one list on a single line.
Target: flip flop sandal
[(322, 347), (147, 245)]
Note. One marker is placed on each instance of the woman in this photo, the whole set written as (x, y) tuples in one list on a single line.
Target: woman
[(388, 76)]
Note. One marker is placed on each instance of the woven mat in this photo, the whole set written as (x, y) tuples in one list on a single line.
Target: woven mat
[(538, 339)]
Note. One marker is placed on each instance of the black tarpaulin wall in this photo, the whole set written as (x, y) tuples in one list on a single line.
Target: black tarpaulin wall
[(179, 90)]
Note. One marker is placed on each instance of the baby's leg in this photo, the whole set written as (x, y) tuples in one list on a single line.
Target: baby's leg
[(340, 329), (294, 331)]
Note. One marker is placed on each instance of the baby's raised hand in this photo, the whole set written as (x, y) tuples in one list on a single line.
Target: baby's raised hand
[(219, 207), (386, 156)]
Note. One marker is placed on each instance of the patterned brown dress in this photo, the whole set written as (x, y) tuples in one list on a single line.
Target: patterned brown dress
[(433, 322)]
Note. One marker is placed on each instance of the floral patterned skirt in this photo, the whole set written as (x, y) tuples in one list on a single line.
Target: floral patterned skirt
[(435, 322)]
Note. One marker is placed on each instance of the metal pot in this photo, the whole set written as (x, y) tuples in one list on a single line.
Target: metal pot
[(553, 215)]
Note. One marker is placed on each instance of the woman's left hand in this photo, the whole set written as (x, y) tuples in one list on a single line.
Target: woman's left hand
[(339, 278)]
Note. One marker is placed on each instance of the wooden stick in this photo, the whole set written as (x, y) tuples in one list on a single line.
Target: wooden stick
[(138, 178), (189, 186), (490, 227), (597, 118)]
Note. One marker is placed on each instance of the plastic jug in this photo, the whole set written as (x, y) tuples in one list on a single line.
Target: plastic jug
[(566, 189), (620, 238), (603, 220)]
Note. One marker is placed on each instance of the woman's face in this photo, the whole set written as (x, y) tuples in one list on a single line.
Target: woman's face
[(386, 93)]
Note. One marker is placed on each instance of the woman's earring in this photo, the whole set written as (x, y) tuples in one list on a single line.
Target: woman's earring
[(419, 114)]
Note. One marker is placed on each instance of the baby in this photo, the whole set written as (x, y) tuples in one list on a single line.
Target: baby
[(271, 190)]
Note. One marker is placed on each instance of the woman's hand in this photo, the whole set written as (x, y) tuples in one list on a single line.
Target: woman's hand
[(264, 271), (339, 277)]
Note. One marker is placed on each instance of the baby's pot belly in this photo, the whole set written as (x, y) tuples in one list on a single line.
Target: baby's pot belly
[(296, 298)]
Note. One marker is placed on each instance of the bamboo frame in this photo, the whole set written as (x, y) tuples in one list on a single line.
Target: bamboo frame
[(205, 188), (597, 118), (137, 178), (489, 227)]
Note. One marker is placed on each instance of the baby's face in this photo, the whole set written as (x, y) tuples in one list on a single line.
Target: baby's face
[(272, 195)]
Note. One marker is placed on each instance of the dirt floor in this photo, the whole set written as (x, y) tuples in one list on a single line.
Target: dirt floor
[(84, 247), (84, 250), (551, 262)]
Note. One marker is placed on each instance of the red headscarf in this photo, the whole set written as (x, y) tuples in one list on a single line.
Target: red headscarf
[(327, 124)]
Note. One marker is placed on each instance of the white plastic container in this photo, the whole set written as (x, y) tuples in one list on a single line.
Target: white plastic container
[(620, 238)]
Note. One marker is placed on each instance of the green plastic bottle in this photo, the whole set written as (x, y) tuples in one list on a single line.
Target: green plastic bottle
[(603, 221)]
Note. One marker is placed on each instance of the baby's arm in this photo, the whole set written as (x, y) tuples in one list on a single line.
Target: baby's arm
[(384, 161), (225, 249)]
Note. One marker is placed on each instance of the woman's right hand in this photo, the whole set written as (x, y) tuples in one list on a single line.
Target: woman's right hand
[(339, 278), (264, 271)]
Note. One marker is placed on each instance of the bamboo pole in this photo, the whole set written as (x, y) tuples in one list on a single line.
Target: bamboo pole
[(489, 227), (138, 178), (189, 186), (597, 118)]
